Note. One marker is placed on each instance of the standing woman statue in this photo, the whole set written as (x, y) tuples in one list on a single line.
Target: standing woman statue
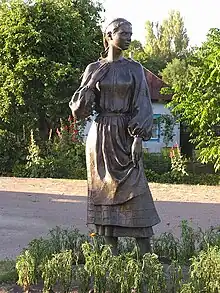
[(119, 200)]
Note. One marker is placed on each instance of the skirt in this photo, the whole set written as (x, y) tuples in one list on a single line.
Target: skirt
[(133, 218)]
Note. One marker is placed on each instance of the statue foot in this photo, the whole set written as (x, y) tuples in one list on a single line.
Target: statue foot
[(113, 242), (144, 245)]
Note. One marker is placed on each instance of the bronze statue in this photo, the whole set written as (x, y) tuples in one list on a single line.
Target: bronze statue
[(119, 200)]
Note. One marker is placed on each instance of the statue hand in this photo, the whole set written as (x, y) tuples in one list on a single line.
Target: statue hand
[(136, 150), (98, 74)]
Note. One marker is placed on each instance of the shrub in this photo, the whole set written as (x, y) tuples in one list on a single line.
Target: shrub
[(40, 250), (12, 150), (210, 237), (178, 163), (158, 162), (188, 242), (153, 276), (62, 157), (58, 269), (68, 239), (124, 272), (205, 271), (97, 263), (26, 269), (166, 246), (42, 253), (126, 244), (192, 179), (175, 277), (53, 259)]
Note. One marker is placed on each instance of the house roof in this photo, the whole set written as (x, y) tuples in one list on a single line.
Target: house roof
[(155, 84)]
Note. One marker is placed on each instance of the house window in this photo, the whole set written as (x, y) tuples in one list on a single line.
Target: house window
[(156, 128)]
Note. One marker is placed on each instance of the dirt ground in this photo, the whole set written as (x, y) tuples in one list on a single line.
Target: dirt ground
[(30, 207)]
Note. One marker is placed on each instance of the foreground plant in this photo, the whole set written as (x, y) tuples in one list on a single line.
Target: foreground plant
[(126, 244), (58, 270), (188, 242), (175, 277), (210, 237), (97, 260), (166, 246), (26, 269), (59, 266), (205, 271), (40, 250), (68, 239), (125, 273), (82, 278), (153, 275)]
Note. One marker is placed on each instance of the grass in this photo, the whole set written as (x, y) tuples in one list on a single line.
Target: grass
[(8, 272)]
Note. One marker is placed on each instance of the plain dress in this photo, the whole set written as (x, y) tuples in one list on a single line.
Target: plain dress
[(119, 199)]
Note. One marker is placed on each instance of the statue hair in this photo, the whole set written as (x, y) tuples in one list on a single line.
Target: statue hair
[(112, 28)]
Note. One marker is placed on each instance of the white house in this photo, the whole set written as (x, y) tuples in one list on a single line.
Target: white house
[(156, 143), (159, 101)]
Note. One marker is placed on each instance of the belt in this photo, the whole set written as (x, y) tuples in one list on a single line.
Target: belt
[(112, 114)]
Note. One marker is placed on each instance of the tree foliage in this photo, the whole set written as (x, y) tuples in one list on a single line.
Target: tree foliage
[(174, 71), (163, 42), (197, 98), (135, 47), (168, 39), (44, 46)]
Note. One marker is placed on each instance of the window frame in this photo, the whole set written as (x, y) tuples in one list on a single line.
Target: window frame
[(156, 139)]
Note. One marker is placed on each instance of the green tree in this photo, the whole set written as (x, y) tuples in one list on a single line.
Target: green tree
[(174, 71), (196, 99), (44, 47), (135, 48), (168, 39), (163, 42)]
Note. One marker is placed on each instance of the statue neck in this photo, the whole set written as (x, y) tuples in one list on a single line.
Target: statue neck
[(114, 54)]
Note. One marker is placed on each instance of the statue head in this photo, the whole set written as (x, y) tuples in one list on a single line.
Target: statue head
[(117, 34)]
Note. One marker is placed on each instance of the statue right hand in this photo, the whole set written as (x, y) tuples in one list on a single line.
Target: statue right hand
[(98, 74)]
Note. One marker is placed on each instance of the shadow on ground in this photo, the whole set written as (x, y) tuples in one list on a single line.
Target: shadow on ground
[(28, 215)]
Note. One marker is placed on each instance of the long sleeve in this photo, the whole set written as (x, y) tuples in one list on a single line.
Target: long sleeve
[(142, 114), (82, 100)]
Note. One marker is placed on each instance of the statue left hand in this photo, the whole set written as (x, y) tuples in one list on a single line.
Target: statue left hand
[(136, 150)]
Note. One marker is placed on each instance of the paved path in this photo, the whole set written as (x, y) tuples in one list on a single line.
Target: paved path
[(30, 207)]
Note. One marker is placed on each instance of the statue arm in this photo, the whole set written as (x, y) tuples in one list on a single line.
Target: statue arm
[(82, 100), (140, 126)]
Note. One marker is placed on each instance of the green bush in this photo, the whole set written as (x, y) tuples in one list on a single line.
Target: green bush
[(190, 243), (26, 269), (43, 258), (58, 269), (12, 150), (62, 157), (123, 273), (210, 237), (169, 248), (191, 179), (65, 166), (56, 260), (205, 272), (166, 246), (157, 162)]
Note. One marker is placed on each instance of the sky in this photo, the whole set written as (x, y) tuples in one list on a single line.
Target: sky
[(199, 16)]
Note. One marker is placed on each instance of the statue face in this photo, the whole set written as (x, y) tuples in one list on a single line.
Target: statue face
[(122, 38)]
